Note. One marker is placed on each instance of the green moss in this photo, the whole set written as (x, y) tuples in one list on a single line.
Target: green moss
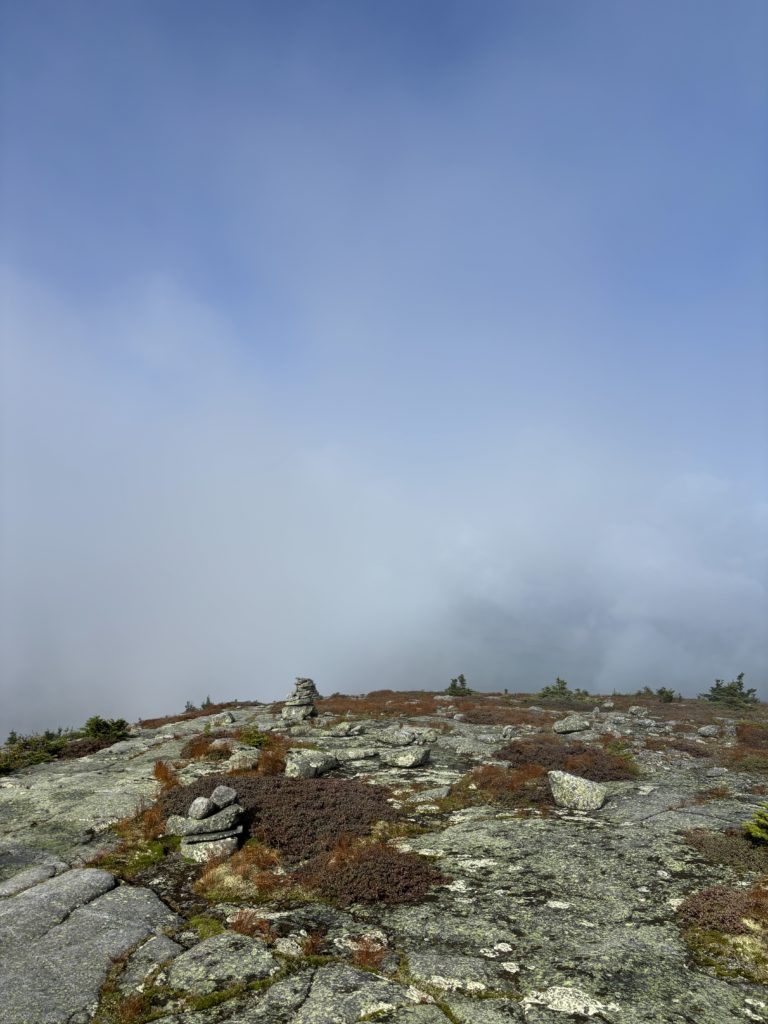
[(129, 859), (216, 998), (729, 956), (206, 926)]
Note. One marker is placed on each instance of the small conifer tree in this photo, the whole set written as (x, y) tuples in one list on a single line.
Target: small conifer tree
[(757, 826)]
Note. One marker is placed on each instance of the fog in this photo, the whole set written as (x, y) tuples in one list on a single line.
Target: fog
[(158, 551), (380, 343)]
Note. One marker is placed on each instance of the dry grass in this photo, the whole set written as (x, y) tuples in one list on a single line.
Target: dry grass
[(165, 775), (199, 747), (314, 943), (368, 954), (707, 796), (249, 922), (273, 755)]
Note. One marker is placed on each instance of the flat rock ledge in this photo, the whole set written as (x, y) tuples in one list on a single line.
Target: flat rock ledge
[(58, 940)]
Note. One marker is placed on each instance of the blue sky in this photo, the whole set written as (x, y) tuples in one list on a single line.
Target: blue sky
[(379, 342)]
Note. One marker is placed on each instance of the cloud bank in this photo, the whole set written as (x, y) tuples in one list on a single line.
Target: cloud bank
[(159, 550)]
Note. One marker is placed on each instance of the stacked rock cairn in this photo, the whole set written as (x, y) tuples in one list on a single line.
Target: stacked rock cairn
[(301, 703), (211, 826)]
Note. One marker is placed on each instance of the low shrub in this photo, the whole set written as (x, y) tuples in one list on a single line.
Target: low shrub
[(299, 817), (757, 826), (165, 775), (99, 728), (251, 736), (731, 848), (369, 873), (753, 735), (723, 909), (550, 754), (560, 692), (516, 789), (677, 743), (250, 922)]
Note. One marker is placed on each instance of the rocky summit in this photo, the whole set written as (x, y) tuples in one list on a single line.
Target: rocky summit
[(412, 858)]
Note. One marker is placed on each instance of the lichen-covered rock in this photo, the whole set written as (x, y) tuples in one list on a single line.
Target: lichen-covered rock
[(59, 938), (412, 758), (576, 793), (709, 730), (201, 807), (221, 961), (572, 1001), (177, 825), (573, 723), (224, 796), (200, 853), (452, 973), (308, 764)]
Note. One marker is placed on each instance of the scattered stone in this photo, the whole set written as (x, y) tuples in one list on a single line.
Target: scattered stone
[(407, 758), (201, 808), (576, 793), (225, 718), (637, 711), (607, 705), (709, 730), (180, 826), (308, 764), (200, 853), (716, 772), (243, 759), (223, 796), (573, 723), (397, 737)]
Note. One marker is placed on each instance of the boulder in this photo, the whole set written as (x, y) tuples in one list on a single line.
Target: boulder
[(576, 793), (413, 758), (202, 807), (228, 818), (223, 796), (709, 730), (308, 764), (573, 723), (200, 853)]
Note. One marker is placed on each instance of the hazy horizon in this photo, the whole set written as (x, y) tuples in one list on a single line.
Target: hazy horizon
[(379, 343)]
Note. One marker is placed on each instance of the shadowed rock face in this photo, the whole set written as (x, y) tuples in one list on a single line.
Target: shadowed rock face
[(542, 918)]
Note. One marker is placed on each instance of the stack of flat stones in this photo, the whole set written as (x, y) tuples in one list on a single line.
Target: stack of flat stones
[(301, 703), (211, 827)]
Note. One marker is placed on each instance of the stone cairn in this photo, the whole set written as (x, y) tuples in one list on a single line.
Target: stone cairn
[(301, 703), (211, 826)]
